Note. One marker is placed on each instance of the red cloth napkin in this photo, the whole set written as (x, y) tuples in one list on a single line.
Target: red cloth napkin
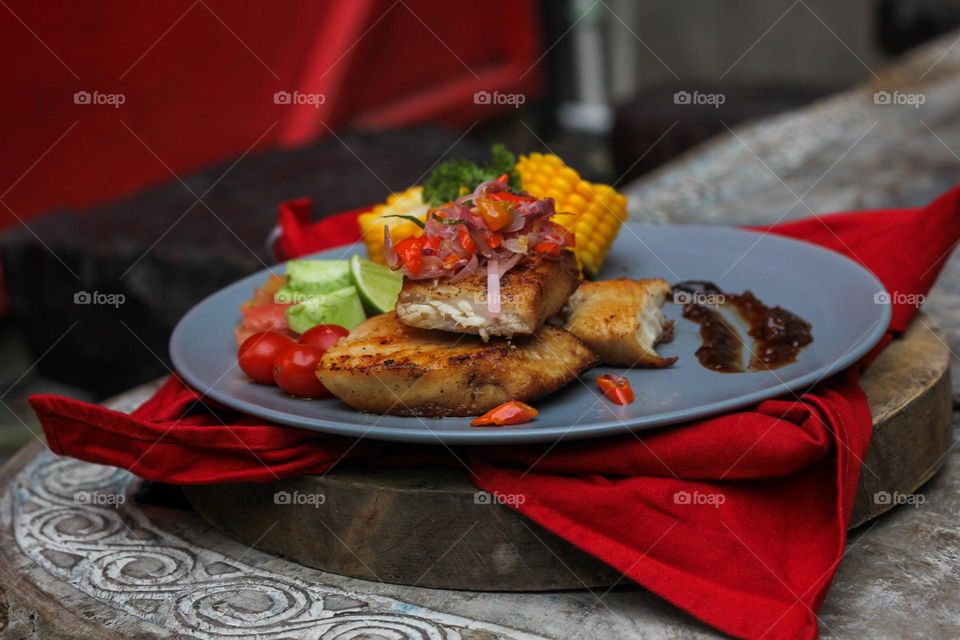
[(739, 519)]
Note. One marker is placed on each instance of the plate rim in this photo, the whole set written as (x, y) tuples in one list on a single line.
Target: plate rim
[(481, 437)]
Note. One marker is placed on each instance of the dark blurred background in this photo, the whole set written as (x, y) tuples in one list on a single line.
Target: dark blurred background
[(147, 146)]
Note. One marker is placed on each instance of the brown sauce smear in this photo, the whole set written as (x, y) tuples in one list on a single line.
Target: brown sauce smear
[(778, 335)]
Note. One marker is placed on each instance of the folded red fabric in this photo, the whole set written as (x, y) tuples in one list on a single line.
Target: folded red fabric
[(739, 519)]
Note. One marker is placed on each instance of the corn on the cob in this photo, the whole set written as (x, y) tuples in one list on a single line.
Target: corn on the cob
[(593, 212), (405, 203)]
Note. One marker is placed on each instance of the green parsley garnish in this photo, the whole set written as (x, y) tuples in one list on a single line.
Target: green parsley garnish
[(451, 179)]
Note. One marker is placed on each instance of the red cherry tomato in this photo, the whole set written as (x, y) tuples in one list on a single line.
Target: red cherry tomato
[(295, 371), (324, 336), (258, 352)]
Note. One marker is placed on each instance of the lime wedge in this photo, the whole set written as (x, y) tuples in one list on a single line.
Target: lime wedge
[(377, 285)]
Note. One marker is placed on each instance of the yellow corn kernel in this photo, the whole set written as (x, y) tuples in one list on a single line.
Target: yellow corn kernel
[(404, 203), (596, 211)]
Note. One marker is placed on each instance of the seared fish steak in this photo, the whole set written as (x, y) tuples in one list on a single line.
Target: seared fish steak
[(387, 367), (621, 320), (529, 294)]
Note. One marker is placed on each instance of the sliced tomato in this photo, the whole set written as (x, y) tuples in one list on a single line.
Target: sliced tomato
[(266, 317), (264, 294)]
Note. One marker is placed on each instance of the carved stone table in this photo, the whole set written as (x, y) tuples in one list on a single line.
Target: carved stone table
[(107, 569)]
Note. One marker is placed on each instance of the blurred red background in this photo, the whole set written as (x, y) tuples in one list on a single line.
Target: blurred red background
[(198, 80)]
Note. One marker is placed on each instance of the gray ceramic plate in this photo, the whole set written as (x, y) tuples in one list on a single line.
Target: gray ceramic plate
[(836, 295)]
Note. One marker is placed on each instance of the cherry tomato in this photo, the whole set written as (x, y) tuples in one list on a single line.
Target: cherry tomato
[(323, 336), (265, 317), (496, 214), (295, 371), (258, 352)]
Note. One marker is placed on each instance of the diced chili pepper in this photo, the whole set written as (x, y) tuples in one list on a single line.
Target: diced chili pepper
[(432, 242), (615, 388), (410, 253), (495, 240), (466, 240), (504, 178), (553, 248), (510, 197), (512, 412)]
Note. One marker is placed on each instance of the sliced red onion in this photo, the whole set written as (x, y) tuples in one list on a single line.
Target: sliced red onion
[(468, 270), (493, 288), (516, 224), (490, 186), (388, 252), (536, 208), (510, 263), (516, 245)]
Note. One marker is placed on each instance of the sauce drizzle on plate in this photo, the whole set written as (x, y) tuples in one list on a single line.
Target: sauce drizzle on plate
[(778, 335)]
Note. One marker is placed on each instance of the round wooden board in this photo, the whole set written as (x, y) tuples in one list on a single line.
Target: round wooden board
[(432, 528)]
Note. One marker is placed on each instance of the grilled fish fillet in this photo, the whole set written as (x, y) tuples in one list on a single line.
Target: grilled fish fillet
[(529, 294), (621, 320), (386, 367)]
